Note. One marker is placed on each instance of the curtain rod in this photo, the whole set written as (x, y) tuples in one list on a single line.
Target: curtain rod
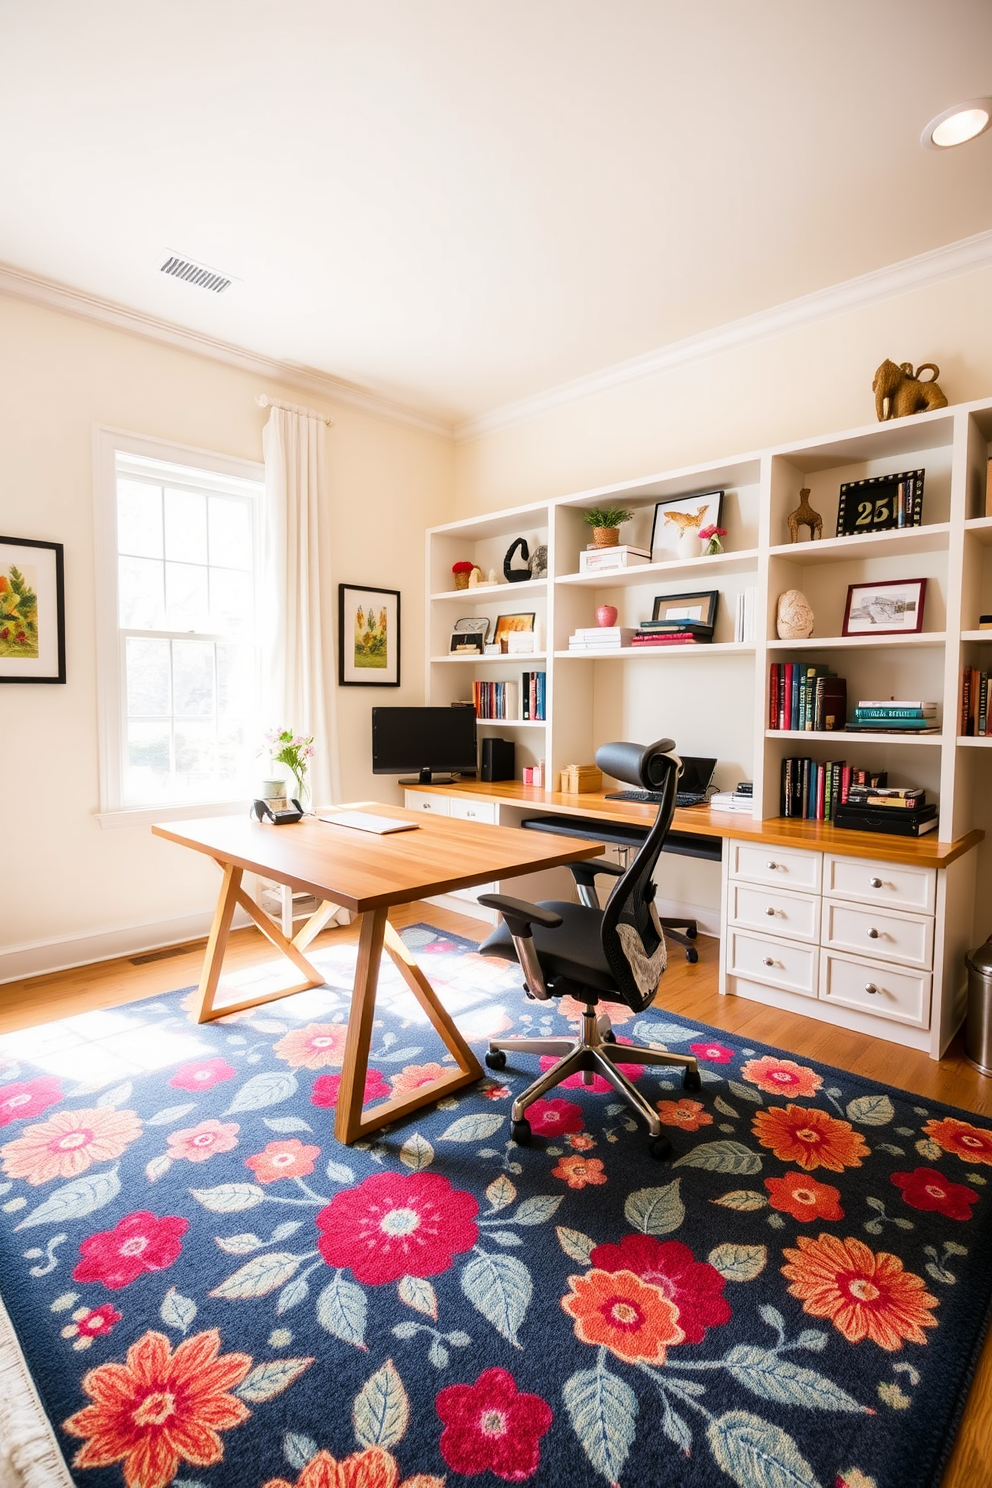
[(264, 401)]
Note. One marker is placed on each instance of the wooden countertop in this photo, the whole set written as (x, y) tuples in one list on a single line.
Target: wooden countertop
[(777, 831)]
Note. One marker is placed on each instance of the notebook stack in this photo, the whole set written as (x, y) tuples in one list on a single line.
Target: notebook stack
[(892, 717), (900, 810), (601, 638), (672, 633), (621, 555)]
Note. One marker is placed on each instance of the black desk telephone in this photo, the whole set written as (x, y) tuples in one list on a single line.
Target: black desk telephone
[(279, 815)]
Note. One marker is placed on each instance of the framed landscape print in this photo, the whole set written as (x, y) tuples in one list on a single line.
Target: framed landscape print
[(32, 611), (368, 636), (885, 607)]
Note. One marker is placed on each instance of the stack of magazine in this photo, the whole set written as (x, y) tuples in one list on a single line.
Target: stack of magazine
[(891, 716), (900, 810), (672, 633)]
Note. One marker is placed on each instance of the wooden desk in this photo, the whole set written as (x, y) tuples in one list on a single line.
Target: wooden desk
[(367, 874)]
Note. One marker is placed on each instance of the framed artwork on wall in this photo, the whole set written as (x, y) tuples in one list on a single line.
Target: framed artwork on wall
[(885, 607), (32, 610), (368, 636), (684, 517)]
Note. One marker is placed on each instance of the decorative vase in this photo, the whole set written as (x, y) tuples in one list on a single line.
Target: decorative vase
[(300, 789), (711, 545), (794, 616), (606, 537), (461, 580), (606, 615), (689, 543)]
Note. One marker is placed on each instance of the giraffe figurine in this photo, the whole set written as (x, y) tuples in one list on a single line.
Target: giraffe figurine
[(805, 516)]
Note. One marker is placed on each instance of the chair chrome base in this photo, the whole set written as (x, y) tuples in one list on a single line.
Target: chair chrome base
[(594, 1052)]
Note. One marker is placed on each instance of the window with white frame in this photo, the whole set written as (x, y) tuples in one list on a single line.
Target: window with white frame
[(181, 695)]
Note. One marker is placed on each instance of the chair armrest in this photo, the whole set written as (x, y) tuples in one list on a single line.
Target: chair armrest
[(585, 873), (520, 914)]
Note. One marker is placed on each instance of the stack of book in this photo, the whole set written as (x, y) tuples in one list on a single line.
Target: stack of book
[(900, 810), (806, 697), (815, 790), (672, 633), (974, 721), (603, 560), (890, 716), (600, 638), (496, 700), (533, 695), (744, 617), (731, 801)]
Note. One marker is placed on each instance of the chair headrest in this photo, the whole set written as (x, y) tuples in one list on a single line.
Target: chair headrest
[(643, 765)]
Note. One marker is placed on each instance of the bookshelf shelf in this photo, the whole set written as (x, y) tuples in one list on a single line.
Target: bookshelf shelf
[(865, 643), (687, 568), (521, 659), (711, 648), (840, 736), (525, 723), (976, 635), (979, 743), (980, 528), (491, 591), (932, 538)]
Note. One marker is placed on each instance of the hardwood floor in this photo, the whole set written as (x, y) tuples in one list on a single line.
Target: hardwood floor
[(688, 990)]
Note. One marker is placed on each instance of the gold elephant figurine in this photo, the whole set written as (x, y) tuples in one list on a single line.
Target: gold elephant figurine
[(900, 391)]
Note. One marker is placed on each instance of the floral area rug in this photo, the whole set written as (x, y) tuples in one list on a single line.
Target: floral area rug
[(209, 1290)]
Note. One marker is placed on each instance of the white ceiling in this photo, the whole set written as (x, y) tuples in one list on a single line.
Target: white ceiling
[(461, 203)]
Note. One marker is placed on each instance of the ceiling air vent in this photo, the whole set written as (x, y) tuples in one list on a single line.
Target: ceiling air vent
[(195, 273)]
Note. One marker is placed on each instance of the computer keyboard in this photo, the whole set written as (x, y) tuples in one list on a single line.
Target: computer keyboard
[(682, 798)]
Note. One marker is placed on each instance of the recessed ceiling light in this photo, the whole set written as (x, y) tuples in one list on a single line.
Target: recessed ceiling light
[(956, 125)]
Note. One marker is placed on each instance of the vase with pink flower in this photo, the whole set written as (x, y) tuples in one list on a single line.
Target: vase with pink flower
[(710, 539), (295, 751)]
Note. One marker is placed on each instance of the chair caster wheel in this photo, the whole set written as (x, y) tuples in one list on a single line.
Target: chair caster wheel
[(660, 1149), (691, 932), (609, 1038), (692, 1080), (496, 1059), (521, 1133), (692, 955)]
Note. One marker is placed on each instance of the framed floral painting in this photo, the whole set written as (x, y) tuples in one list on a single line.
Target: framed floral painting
[(368, 636), (32, 611)]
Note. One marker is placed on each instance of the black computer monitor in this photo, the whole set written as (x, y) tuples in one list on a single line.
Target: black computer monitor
[(425, 740)]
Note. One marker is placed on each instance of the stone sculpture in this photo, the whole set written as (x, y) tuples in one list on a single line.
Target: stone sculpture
[(794, 617)]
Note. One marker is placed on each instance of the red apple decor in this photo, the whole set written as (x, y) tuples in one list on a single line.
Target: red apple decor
[(606, 615)]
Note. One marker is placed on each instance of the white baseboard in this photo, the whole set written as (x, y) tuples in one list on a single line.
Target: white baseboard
[(37, 958)]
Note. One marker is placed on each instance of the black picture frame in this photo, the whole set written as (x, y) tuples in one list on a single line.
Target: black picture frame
[(360, 658), (881, 503), (706, 600), (32, 610), (466, 643)]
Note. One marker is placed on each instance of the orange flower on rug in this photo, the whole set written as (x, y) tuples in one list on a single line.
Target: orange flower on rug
[(373, 1468), (622, 1312), (781, 1076), (864, 1294), (968, 1142), (313, 1047), (811, 1138), (68, 1143)]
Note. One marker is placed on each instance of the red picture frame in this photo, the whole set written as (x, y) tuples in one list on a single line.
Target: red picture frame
[(884, 607)]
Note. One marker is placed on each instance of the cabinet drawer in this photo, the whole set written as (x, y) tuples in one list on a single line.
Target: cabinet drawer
[(472, 894), (867, 931), (785, 867), (876, 987), (421, 801), (774, 911), (468, 810), (873, 881), (777, 963)]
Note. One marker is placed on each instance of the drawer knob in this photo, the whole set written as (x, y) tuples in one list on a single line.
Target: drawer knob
[(873, 933), (769, 910), (771, 865), (470, 813), (870, 987), (876, 883), (767, 961)]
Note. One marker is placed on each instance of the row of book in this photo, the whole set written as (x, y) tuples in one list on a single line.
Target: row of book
[(853, 798), (974, 720), (508, 701), (744, 617), (806, 696)]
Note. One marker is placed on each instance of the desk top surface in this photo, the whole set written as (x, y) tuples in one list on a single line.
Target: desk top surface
[(926, 852), (361, 870)]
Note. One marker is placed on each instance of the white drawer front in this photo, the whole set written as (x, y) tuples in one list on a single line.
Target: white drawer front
[(467, 810), (777, 963), (772, 911), (785, 867), (421, 801), (867, 931), (473, 894), (872, 881), (876, 987)]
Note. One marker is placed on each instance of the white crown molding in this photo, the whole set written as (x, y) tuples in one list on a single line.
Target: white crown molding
[(20, 285), (966, 256)]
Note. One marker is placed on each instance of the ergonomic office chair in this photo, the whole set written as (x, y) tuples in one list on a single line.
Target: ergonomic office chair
[(577, 950)]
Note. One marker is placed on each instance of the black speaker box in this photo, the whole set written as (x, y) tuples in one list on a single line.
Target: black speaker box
[(498, 759)]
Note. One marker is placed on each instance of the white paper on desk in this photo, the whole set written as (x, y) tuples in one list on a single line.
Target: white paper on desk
[(364, 821)]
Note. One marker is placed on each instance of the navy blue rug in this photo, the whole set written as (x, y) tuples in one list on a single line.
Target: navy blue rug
[(209, 1290)]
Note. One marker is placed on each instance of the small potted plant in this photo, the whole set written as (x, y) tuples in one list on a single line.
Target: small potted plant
[(710, 538), (605, 522), (461, 572)]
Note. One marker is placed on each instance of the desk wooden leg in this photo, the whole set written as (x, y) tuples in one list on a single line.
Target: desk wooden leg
[(422, 990), (348, 1125), (217, 944)]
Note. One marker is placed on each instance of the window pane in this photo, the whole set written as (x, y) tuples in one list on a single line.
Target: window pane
[(186, 596), (195, 754), (139, 519), (140, 594), (235, 680), (230, 601), (230, 532), (147, 774), (193, 679), (235, 761), (147, 664), (185, 526)]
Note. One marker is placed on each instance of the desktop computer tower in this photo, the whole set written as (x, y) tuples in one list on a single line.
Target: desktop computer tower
[(498, 759)]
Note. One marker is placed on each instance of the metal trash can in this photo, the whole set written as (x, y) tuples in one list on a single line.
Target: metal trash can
[(978, 1028)]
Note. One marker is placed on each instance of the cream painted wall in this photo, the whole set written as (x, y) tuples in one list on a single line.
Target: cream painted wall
[(66, 880)]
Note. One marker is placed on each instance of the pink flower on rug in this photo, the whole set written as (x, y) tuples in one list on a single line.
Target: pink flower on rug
[(28, 1098), (326, 1088), (925, 1188), (286, 1159), (197, 1143), (712, 1053), (139, 1242), (68, 1143), (492, 1426), (599, 1086), (580, 1141), (781, 1076), (415, 1076), (202, 1074), (617, 1012), (397, 1224), (497, 1092), (695, 1287), (313, 1047), (555, 1118), (88, 1324)]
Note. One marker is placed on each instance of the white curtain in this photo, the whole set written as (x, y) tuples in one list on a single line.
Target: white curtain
[(298, 654)]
